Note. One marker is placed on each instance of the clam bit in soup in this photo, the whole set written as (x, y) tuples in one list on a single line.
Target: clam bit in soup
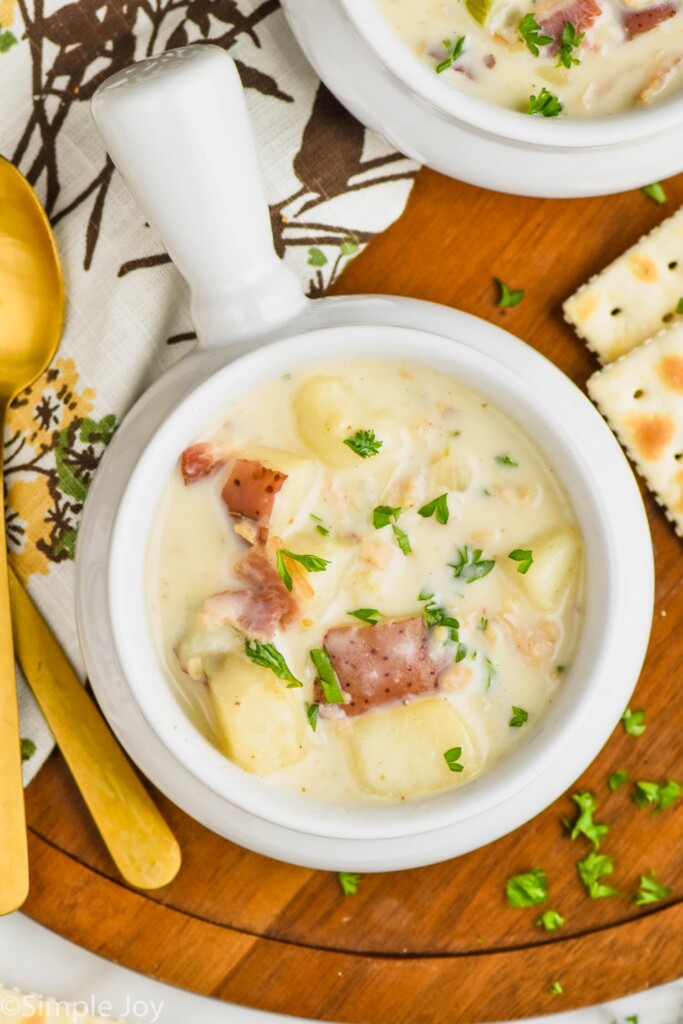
[(366, 582), (548, 57)]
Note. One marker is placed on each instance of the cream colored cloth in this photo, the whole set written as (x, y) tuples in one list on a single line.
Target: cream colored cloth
[(331, 185)]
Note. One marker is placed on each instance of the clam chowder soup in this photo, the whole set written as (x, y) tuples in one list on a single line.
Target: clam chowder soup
[(548, 58), (365, 582)]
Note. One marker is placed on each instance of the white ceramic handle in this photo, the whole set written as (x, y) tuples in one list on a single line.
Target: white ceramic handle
[(178, 130)]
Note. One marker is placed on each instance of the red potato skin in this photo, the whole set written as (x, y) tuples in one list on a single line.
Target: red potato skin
[(250, 490), (636, 23), (201, 460), (376, 665), (581, 14), (260, 608)]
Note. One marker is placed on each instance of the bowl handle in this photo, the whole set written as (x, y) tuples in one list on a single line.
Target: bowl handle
[(178, 130)]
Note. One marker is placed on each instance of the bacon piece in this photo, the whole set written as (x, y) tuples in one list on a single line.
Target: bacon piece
[(250, 490), (638, 22), (552, 17), (200, 460), (259, 608), (382, 663)]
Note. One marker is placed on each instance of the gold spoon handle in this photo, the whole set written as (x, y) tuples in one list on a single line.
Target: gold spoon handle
[(13, 846), (140, 842)]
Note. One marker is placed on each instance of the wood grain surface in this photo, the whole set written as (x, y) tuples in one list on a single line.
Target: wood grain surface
[(440, 943)]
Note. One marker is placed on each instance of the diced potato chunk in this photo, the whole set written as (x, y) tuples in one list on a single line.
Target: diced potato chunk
[(261, 721), (557, 556), (399, 752), (326, 414), (297, 492)]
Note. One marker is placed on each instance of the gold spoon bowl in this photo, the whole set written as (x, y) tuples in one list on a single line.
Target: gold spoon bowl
[(31, 319)]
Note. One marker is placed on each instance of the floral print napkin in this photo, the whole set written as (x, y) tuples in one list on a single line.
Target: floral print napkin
[(331, 186)]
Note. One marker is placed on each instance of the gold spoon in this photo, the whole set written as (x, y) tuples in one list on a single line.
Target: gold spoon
[(31, 317)]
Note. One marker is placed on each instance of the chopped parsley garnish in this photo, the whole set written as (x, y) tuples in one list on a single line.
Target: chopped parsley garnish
[(436, 616), (454, 51), (679, 307), (655, 192), (584, 824), (525, 559), (651, 794), (364, 443), (424, 596), (332, 691), (28, 749), (528, 889), (483, 624), (349, 882), (402, 539), (633, 722), (385, 515), (490, 672), (545, 104), (617, 779), (569, 41), (268, 656), (312, 714), (320, 526), (506, 460), (311, 563), (650, 891), (438, 508), (370, 615), (452, 759), (591, 869), (550, 921), (519, 717), (530, 33), (556, 989), (508, 297), (471, 566), (460, 653)]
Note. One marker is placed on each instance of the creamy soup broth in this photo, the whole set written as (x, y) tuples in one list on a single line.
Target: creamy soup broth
[(417, 697), (631, 53)]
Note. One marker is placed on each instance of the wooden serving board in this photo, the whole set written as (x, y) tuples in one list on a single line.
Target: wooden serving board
[(440, 943)]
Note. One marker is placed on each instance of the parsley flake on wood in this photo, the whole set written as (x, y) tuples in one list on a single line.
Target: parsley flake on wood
[(332, 691), (556, 989), (550, 921), (369, 615), (438, 508), (591, 869), (268, 656), (655, 192), (312, 714), (651, 794), (311, 563), (519, 717), (530, 32), (633, 722), (471, 566), (508, 297), (364, 443), (349, 882), (569, 41), (617, 779), (453, 51), (452, 759), (528, 889), (584, 824), (525, 559), (650, 891), (545, 104)]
